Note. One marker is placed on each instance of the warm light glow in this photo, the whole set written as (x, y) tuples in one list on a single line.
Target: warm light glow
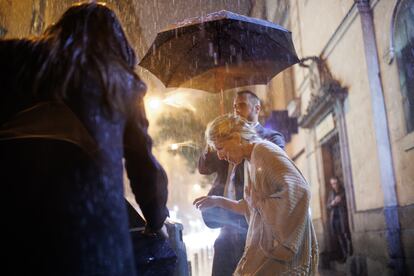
[(174, 216), (174, 146), (201, 239), (154, 103), (179, 100), (197, 187)]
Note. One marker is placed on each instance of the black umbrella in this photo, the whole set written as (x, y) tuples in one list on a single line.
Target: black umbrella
[(219, 51)]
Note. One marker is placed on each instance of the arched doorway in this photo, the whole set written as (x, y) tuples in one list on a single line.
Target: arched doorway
[(325, 118)]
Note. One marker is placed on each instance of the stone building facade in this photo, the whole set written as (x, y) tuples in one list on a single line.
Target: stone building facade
[(353, 99)]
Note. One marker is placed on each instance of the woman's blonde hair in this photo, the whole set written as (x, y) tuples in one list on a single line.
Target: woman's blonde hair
[(224, 126)]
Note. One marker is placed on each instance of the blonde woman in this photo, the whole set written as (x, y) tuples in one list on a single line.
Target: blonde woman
[(280, 239)]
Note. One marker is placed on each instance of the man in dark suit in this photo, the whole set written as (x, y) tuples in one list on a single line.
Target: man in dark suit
[(229, 182)]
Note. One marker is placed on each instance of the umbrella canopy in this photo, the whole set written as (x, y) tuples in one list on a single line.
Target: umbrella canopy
[(220, 51)]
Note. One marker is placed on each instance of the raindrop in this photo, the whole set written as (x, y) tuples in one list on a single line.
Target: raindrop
[(239, 60), (210, 49), (202, 31), (232, 50)]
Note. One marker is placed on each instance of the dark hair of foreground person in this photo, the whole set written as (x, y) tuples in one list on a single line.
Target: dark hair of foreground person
[(71, 110)]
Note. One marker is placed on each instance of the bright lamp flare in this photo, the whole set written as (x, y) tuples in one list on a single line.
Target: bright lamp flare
[(154, 103), (174, 146), (197, 187)]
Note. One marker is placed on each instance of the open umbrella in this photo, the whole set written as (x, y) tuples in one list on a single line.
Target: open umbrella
[(219, 51)]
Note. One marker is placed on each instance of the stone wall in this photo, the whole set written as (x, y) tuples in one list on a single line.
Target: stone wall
[(16, 17), (402, 142), (333, 32), (369, 239)]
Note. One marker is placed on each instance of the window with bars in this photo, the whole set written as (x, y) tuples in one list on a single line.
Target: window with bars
[(404, 51)]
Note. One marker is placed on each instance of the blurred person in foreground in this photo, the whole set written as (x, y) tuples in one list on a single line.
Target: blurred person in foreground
[(71, 108), (229, 182), (280, 238)]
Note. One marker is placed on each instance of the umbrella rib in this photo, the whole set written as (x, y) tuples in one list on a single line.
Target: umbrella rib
[(281, 46)]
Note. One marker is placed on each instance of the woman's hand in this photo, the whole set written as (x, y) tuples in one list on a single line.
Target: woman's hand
[(206, 202)]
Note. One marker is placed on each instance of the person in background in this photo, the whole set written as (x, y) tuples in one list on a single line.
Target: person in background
[(280, 239), (229, 182), (71, 109), (338, 217)]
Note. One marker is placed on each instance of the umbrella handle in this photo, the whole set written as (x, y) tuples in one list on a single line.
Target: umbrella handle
[(220, 84), (222, 101)]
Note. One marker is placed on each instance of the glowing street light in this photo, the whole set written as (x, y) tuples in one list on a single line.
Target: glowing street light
[(179, 100), (174, 146), (154, 103), (197, 187)]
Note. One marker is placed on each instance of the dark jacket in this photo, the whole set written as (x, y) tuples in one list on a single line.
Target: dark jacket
[(61, 170), (338, 215), (229, 246)]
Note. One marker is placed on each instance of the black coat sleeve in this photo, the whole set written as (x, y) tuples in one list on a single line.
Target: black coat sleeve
[(277, 138), (208, 163), (273, 136), (147, 177), (18, 65)]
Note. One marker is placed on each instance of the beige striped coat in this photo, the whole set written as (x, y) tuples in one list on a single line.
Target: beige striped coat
[(281, 239)]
